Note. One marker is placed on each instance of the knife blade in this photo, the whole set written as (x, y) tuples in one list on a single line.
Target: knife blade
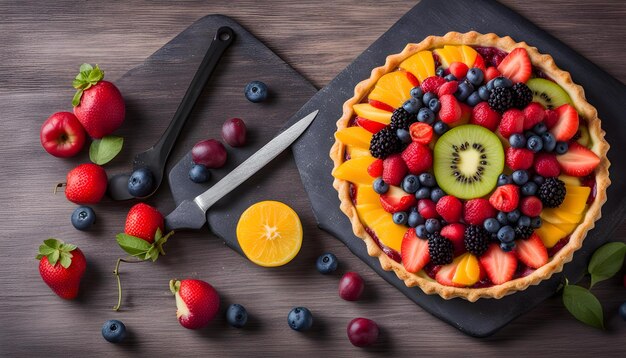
[(191, 214)]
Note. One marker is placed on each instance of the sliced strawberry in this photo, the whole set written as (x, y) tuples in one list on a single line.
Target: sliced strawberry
[(547, 165), (394, 169), (480, 63), (505, 198), (500, 265), (491, 73), (578, 161), (516, 66), (533, 114), (418, 158), (380, 105), (446, 274), (375, 169), (414, 81), (531, 252), (448, 88), (551, 118), (518, 158), (396, 199), (432, 84), (427, 209), (421, 133), (450, 111), (450, 208), (483, 115), (369, 125), (455, 233), (567, 124), (512, 122), (414, 252), (458, 69)]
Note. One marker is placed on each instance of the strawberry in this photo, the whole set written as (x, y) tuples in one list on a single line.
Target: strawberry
[(550, 119), (450, 111), (567, 124), (414, 252), (448, 88), (450, 208), (499, 265), (533, 114), (505, 198), (516, 66), (61, 267), (445, 275), (578, 161), (491, 73), (531, 206), (197, 302), (421, 133), (432, 84), (427, 209), (480, 63), (456, 234), (483, 115), (396, 199), (418, 158), (546, 165), (531, 252), (394, 169), (512, 122), (143, 221), (85, 184), (380, 105), (98, 104), (476, 211), (375, 169), (414, 81), (369, 125), (458, 69), (466, 113), (518, 158)]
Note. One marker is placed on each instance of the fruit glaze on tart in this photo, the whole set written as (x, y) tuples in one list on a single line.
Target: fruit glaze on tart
[(471, 165)]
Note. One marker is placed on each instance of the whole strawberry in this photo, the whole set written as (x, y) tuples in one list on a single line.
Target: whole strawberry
[(61, 266), (86, 184), (143, 221), (98, 104), (197, 302)]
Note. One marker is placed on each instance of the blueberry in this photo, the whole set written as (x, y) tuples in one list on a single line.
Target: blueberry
[(440, 128), (450, 77), (561, 147), (507, 246), (520, 177), (420, 231), (523, 221), (141, 183), (380, 187), (425, 115), (529, 189), (464, 90), (434, 105), (428, 96), (529, 134), (517, 140), (422, 193), (400, 218), (535, 222), (540, 128), (440, 72), (410, 183), (490, 85), (513, 216), (416, 92), (484, 93), (549, 142), (83, 217), (622, 311), (506, 234), (199, 173), (502, 82), (403, 135), (236, 315), (538, 179), (256, 91), (504, 179), (412, 105), (114, 331), (436, 194), (427, 179), (473, 99), (327, 263), (502, 218), (491, 225), (415, 219), (433, 225), (534, 143), (300, 319), (475, 76)]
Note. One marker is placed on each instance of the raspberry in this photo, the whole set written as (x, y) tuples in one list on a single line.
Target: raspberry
[(385, 143), (427, 209), (512, 122), (531, 206), (448, 88), (476, 211), (418, 158), (546, 165), (522, 95), (394, 170), (450, 208), (432, 84), (533, 114), (505, 198), (501, 99), (376, 168), (450, 111), (421, 133), (483, 115), (518, 158)]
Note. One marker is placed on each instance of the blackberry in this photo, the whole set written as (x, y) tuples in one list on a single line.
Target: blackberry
[(401, 119), (552, 192), (501, 99), (440, 249), (522, 95), (476, 240), (523, 232), (385, 143)]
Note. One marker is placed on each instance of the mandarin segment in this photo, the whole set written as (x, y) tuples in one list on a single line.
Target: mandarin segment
[(392, 89), (389, 233), (355, 170), (421, 65), (366, 110), (355, 136)]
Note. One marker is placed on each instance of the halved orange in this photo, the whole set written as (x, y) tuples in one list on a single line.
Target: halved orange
[(269, 233)]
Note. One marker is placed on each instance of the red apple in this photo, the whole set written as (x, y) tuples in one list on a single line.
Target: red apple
[(62, 135)]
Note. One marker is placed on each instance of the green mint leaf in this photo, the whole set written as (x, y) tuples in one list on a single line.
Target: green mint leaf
[(54, 257), (76, 98), (606, 261), (583, 305), (85, 67), (66, 259), (104, 150), (134, 246)]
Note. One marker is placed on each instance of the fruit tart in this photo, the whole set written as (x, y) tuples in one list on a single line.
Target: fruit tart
[(470, 165)]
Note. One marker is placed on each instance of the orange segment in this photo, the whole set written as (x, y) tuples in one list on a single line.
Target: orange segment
[(355, 136), (421, 65), (469, 55), (269, 233), (388, 232), (355, 170), (366, 110), (392, 89), (357, 152), (468, 271), (550, 234), (365, 194), (449, 54)]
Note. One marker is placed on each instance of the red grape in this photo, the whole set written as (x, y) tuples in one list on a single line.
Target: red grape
[(362, 332), (234, 132), (351, 286), (210, 153)]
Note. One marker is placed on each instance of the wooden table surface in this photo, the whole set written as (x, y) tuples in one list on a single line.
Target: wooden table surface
[(41, 45)]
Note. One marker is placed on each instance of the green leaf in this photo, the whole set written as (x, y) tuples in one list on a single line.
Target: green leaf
[(583, 305), (66, 259), (67, 247), (606, 261), (152, 254), (95, 75), (133, 245), (85, 67), (53, 243), (76, 98), (78, 84), (104, 150), (54, 257), (45, 250)]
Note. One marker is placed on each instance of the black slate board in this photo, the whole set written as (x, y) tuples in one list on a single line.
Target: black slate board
[(431, 17)]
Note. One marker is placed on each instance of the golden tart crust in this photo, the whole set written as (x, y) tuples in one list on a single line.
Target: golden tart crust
[(600, 147)]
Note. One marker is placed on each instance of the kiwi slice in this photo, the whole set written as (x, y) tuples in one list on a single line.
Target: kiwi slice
[(548, 93), (468, 160)]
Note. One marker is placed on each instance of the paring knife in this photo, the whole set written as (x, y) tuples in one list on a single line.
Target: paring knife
[(191, 214)]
